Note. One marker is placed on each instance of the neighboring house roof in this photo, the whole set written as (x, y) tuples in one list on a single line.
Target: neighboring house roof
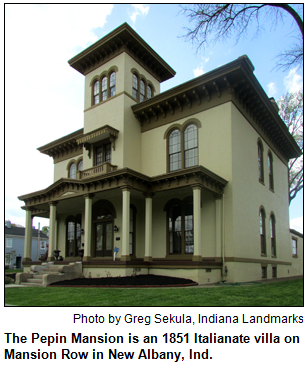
[(20, 231)]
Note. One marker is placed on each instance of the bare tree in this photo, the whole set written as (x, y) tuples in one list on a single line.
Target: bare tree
[(217, 22), (291, 111)]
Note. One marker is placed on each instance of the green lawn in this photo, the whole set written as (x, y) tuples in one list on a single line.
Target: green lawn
[(285, 293)]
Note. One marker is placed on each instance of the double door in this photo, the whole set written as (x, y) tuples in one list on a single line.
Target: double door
[(103, 239)]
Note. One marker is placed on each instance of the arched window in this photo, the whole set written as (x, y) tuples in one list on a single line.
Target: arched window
[(262, 231), (112, 84), (142, 91), (149, 91), (190, 146), (72, 171), (80, 165), (174, 150), (73, 235), (260, 161), (270, 165), (104, 88), (135, 86), (273, 235), (180, 227), (96, 92)]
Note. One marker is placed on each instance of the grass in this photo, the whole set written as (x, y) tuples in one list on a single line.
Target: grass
[(13, 270), (284, 293)]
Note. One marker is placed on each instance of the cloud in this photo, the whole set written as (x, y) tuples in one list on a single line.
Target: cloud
[(293, 81), (297, 224), (139, 9), (272, 88), (200, 69)]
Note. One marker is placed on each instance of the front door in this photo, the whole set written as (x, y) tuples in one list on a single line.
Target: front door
[(104, 239)]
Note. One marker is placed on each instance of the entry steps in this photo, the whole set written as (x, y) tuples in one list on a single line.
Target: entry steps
[(46, 273)]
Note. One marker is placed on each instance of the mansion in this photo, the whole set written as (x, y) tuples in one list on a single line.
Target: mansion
[(191, 182)]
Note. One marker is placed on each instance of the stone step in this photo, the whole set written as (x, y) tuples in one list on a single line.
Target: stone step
[(47, 272), (35, 280), (31, 284), (38, 276), (52, 269)]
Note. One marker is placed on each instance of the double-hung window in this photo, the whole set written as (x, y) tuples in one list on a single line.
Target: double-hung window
[(273, 236), (103, 154), (175, 150), (260, 162), (270, 166), (183, 145), (190, 146), (262, 231)]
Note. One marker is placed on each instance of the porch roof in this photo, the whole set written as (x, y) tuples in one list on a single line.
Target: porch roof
[(67, 188)]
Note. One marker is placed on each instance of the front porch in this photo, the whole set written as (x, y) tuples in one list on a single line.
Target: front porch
[(126, 224)]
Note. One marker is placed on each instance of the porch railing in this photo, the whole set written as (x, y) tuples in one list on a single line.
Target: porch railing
[(96, 170)]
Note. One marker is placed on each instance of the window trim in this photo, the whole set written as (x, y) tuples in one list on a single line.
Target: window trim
[(102, 144), (182, 128), (263, 247), (136, 91), (73, 163), (109, 87), (260, 161), (273, 238), (7, 241), (76, 162), (271, 171), (294, 239)]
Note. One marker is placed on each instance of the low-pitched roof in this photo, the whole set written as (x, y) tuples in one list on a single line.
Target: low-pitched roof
[(237, 80), (20, 231), (121, 39)]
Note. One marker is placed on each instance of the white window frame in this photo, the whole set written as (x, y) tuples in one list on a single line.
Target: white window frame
[(9, 242)]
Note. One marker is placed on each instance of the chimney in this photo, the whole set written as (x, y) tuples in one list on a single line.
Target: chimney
[(8, 224), (275, 105)]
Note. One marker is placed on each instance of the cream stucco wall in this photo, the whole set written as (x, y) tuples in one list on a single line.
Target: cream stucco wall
[(116, 112), (214, 143), (61, 167), (249, 194)]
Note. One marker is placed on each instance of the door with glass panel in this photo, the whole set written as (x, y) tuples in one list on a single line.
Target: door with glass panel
[(103, 239)]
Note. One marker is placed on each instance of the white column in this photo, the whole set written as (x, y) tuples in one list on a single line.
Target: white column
[(125, 223), (28, 236), (148, 228), (52, 230), (88, 227), (197, 222)]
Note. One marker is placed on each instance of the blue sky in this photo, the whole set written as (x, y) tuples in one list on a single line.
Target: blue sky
[(44, 96)]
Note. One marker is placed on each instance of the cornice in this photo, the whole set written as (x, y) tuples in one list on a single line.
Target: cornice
[(67, 188), (61, 147), (122, 39)]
